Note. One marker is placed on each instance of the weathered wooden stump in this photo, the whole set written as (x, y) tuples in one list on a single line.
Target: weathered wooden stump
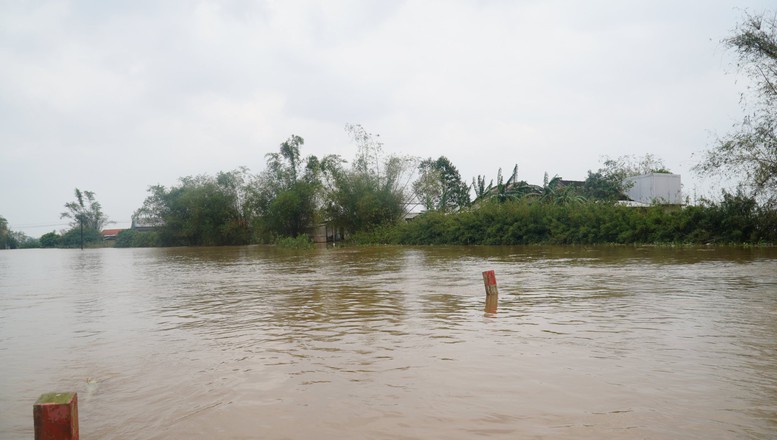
[(56, 416)]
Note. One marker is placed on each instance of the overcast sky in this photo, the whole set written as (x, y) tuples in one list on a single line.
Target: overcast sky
[(114, 97)]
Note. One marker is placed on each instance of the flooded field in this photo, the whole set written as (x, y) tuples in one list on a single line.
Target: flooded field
[(393, 342)]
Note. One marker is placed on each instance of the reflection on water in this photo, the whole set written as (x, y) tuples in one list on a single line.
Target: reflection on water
[(393, 342)]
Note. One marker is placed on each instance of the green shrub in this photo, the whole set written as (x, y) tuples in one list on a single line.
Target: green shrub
[(132, 238), (737, 219), (299, 242)]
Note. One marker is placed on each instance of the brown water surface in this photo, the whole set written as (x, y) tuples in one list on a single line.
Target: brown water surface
[(393, 342)]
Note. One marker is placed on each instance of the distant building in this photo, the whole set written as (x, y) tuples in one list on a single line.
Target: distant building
[(325, 232), (320, 233), (110, 234), (655, 188), (576, 184), (410, 216), (145, 224)]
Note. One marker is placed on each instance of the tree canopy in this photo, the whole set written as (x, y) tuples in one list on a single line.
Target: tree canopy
[(290, 191), (440, 187), (200, 210), (87, 219), (288, 199), (6, 239), (374, 191), (749, 151)]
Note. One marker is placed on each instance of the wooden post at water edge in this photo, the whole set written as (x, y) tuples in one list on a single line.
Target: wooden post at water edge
[(56, 416), (492, 293)]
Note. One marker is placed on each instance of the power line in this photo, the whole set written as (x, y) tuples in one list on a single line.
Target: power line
[(40, 226)]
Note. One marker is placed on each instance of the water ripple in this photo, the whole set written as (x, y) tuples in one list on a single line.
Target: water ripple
[(393, 342)]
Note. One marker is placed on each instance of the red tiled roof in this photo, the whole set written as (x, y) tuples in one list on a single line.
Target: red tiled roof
[(111, 231)]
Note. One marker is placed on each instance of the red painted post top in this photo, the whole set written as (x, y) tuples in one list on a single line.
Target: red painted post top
[(56, 416), (489, 277)]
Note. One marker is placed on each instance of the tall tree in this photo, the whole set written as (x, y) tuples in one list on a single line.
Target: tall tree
[(284, 165), (200, 210), (86, 215), (5, 234), (376, 190), (439, 186), (750, 150), (234, 186), (154, 208), (288, 194)]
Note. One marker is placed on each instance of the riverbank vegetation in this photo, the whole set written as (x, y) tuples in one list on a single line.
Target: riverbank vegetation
[(291, 197), (14, 239), (735, 220), (275, 207)]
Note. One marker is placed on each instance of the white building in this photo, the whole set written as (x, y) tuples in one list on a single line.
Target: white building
[(660, 188)]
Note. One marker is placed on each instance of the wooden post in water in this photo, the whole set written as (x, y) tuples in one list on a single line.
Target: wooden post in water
[(56, 416), (492, 293)]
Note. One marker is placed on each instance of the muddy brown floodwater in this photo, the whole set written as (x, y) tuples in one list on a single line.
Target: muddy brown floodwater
[(393, 343)]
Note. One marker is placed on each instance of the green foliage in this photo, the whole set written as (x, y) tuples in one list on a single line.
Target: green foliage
[(368, 200), (200, 211), (608, 183), (284, 164), (738, 219), (440, 187), (237, 208), (749, 152), (603, 186), (383, 234), (50, 240), (85, 211), (125, 238), (32, 243), (20, 240), (300, 242), (289, 194), (505, 191), (480, 188), (87, 220), (554, 191), (132, 238), (502, 192), (6, 238), (288, 191), (292, 211), (73, 238), (375, 191), (360, 203)]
